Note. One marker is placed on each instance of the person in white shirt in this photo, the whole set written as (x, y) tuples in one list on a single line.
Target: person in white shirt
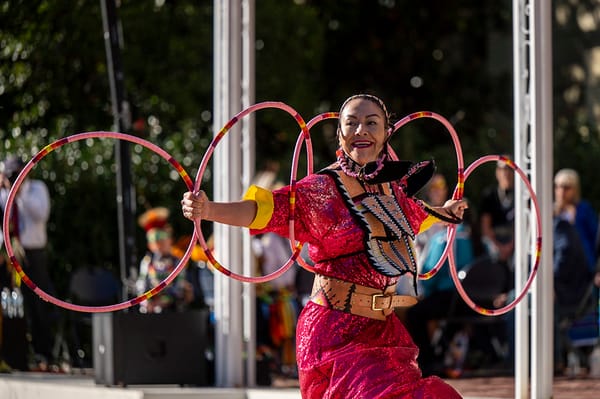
[(30, 214)]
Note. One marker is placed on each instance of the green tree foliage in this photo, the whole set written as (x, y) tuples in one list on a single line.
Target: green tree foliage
[(53, 84), (577, 89), (453, 58), (440, 57)]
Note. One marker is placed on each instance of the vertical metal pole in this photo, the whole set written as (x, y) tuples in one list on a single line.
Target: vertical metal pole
[(521, 138), (227, 172), (542, 167), (532, 38), (248, 172), (122, 122)]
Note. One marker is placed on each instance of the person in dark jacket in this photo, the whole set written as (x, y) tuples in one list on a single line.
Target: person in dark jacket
[(572, 277)]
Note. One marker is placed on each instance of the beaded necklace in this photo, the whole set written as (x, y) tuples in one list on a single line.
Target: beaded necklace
[(353, 169)]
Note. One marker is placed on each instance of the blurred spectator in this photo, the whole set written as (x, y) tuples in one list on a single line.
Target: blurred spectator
[(597, 271), (28, 223), (277, 300), (199, 272), (572, 278), (427, 320), (463, 253), (569, 205), (421, 320), (497, 207), (158, 263), (6, 281), (575, 232), (432, 242), (304, 279), (277, 303), (435, 193)]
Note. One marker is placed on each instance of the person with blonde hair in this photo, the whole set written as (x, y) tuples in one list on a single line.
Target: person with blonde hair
[(569, 205)]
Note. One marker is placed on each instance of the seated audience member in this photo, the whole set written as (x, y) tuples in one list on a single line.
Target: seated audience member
[(158, 263), (569, 205), (423, 319), (497, 207), (572, 278)]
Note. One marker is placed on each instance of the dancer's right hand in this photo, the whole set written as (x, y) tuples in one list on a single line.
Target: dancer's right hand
[(194, 206)]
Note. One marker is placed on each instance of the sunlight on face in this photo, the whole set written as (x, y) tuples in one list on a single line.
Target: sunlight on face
[(564, 192), (362, 132)]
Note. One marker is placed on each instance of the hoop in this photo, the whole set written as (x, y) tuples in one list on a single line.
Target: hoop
[(207, 155), (303, 137), (538, 243), (459, 189), (15, 188)]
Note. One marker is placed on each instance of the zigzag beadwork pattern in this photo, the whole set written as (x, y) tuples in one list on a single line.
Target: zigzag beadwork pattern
[(388, 212)]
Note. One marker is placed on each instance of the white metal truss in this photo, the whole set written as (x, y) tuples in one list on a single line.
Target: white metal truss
[(532, 64), (233, 169)]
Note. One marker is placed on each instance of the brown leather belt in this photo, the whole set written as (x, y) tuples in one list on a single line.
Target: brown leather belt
[(358, 299)]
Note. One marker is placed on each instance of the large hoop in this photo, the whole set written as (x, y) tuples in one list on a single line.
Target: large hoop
[(303, 137), (538, 243), (459, 189), (15, 188), (200, 174)]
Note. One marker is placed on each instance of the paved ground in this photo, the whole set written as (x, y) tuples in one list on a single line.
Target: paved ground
[(492, 387), (504, 387), (500, 387)]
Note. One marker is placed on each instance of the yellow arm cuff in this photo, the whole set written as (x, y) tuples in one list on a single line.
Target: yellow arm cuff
[(264, 203), (429, 221)]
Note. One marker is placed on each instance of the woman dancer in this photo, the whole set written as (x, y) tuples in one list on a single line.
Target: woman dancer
[(359, 219)]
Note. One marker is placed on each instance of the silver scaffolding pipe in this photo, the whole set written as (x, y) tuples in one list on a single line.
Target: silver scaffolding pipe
[(532, 50), (233, 167), (248, 172), (542, 309), (521, 139)]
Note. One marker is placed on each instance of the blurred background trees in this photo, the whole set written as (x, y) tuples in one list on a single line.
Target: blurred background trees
[(452, 57)]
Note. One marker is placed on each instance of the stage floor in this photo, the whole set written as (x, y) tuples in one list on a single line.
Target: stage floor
[(21, 385)]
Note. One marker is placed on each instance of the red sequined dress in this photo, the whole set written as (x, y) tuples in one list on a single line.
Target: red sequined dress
[(342, 355)]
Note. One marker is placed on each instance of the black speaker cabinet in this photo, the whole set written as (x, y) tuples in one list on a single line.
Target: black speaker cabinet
[(14, 345), (133, 348)]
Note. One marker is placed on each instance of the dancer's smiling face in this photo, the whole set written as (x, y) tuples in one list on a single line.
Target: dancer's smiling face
[(362, 132)]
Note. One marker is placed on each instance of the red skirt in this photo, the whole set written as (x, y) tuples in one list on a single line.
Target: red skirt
[(343, 356)]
